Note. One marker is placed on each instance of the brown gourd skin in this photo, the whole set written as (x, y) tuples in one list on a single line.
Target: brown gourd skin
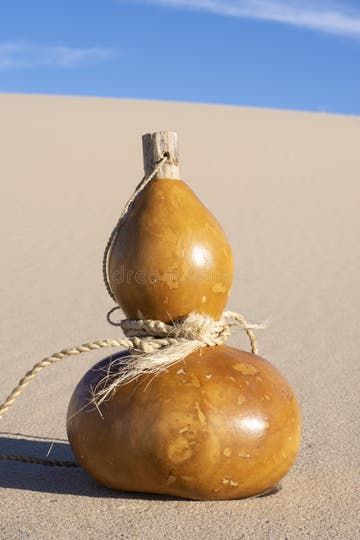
[(221, 424), (170, 256)]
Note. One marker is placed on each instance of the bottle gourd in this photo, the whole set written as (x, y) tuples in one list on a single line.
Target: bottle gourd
[(219, 424)]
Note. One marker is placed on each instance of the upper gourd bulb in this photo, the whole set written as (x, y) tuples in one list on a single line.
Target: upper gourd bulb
[(170, 256)]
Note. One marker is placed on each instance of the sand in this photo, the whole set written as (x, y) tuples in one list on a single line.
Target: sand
[(285, 187)]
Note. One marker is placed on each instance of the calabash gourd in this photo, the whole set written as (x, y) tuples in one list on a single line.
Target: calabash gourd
[(219, 424)]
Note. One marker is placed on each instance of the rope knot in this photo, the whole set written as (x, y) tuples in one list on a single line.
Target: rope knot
[(202, 328), (155, 345)]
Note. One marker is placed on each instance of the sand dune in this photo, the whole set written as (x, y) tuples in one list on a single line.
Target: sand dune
[(285, 187)]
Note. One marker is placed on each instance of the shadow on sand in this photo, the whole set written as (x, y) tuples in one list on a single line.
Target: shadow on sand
[(60, 480)]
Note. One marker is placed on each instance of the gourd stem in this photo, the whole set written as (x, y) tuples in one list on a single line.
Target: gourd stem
[(158, 144)]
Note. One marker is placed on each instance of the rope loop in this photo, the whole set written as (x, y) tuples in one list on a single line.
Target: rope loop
[(144, 182), (153, 345)]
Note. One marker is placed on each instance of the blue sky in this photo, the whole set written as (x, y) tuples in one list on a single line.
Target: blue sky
[(302, 55)]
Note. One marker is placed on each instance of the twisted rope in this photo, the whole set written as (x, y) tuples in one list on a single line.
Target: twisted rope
[(38, 461), (49, 360), (146, 338), (25, 380)]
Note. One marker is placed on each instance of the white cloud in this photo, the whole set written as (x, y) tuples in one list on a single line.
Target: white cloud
[(18, 54), (323, 15)]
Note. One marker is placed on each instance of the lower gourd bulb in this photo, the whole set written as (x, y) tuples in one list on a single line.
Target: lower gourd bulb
[(220, 424)]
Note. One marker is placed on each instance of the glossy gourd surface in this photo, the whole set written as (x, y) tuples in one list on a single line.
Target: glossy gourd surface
[(170, 256), (221, 424)]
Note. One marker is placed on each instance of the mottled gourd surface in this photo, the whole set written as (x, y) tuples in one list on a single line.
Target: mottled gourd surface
[(220, 424), (170, 256)]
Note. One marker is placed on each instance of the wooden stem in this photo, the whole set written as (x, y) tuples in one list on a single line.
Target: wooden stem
[(155, 145)]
